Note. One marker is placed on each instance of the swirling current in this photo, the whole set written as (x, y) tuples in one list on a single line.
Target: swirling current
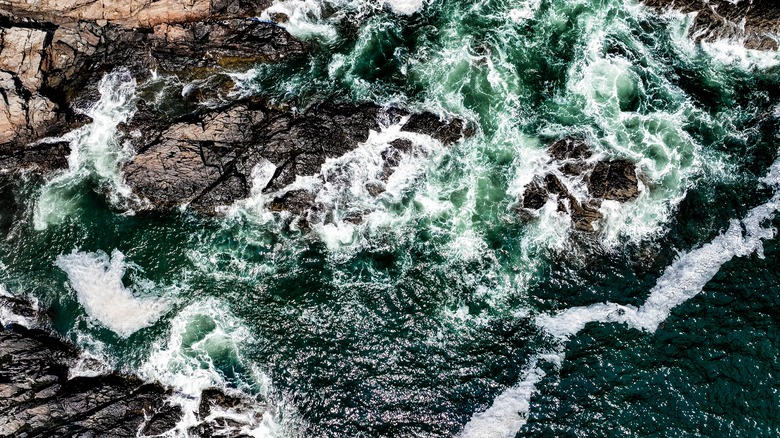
[(444, 312)]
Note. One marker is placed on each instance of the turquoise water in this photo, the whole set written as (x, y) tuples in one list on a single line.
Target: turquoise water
[(444, 313)]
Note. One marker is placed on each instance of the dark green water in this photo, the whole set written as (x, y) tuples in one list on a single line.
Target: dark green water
[(427, 312)]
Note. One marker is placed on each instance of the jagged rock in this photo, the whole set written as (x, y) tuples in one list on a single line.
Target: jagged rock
[(220, 43), (218, 149), (43, 157), (392, 157), (447, 132), (297, 202), (38, 399), (571, 152), (51, 66), (755, 22), (207, 158), (606, 180), (614, 180)]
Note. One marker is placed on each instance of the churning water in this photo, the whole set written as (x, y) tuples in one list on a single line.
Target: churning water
[(443, 313)]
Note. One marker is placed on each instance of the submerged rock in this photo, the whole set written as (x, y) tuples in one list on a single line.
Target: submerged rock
[(614, 180), (756, 23)]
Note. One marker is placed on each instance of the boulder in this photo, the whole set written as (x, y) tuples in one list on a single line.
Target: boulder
[(614, 180)]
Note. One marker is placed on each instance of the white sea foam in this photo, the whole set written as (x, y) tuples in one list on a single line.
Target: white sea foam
[(201, 335), (8, 316), (95, 151), (97, 280), (405, 7), (308, 19)]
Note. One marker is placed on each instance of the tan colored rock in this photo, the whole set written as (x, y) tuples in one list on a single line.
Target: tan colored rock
[(12, 114), (127, 13), (21, 53), (41, 113)]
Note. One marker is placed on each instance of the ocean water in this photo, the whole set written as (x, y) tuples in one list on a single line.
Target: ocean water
[(444, 313)]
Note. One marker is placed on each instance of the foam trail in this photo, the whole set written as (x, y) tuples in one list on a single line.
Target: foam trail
[(97, 280), (509, 411), (682, 280)]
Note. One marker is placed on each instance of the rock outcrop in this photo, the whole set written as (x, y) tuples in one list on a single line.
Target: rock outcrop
[(132, 14), (754, 22), (207, 158), (614, 180), (52, 55), (40, 396), (37, 397)]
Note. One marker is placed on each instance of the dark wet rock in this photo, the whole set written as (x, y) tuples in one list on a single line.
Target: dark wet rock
[(17, 306), (583, 215), (297, 202), (535, 196), (447, 132), (215, 397), (44, 157), (614, 180), (162, 421), (393, 155), (375, 188), (755, 22), (570, 149), (38, 399), (206, 158)]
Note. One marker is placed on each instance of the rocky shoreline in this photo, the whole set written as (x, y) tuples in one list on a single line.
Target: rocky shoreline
[(41, 395)]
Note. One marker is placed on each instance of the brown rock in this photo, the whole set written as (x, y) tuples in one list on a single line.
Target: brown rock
[(756, 22), (614, 180)]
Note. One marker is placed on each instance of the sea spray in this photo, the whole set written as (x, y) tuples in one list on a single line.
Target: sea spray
[(96, 152), (203, 351)]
